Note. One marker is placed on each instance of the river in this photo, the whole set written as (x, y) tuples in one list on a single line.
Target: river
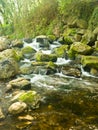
[(68, 103)]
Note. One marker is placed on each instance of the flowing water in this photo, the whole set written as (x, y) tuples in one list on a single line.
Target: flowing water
[(68, 103)]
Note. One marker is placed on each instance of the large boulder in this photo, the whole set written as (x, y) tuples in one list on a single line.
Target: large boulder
[(17, 108), (71, 71), (61, 51), (45, 57), (79, 48), (90, 61), (4, 43), (20, 83), (28, 51), (8, 68), (89, 38), (26, 68), (11, 53)]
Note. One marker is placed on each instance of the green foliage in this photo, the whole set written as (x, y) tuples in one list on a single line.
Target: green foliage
[(93, 23), (28, 18)]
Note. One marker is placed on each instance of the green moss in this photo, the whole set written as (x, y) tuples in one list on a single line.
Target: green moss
[(44, 57), (51, 65), (27, 97), (60, 52), (28, 50), (90, 61)]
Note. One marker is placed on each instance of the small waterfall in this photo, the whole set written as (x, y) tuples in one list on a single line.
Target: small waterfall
[(34, 44), (61, 61)]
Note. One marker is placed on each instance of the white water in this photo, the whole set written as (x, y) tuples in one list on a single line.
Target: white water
[(87, 74), (61, 61)]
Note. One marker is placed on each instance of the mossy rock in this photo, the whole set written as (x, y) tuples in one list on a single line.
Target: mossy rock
[(51, 68), (8, 68), (68, 40), (26, 69), (79, 48), (17, 43), (11, 53), (89, 38), (31, 98), (61, 51), (27, 97), (70, 32), (45, 57), (78, 23), (28, 50), (51, 38), (90, 61), (51, 65), (18, 54), (4, 43)]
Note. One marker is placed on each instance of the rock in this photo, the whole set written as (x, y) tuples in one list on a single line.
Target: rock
[(17, 108), (77, 23), (51, 38), (96, 45), (68, 40), (95, 32), (4, 43), (21, 83), (90, 61), (17, 43), (81, 24), (61, 51), (16, 95), (51, 68), (28, 40), (45, 57), (8, 68), (11, 53), (2, 116), (78, 37), (31, 98), (23, 125), (79, 48), (26, 118), (88, 38), (43, 41), (28, 51), (94, 71), (26, 68), (71, 71)]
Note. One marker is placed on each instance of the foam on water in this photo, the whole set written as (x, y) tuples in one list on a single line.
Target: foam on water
[(61, 61)]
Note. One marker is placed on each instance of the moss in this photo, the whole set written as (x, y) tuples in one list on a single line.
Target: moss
[(51, 37), (90, 61), (27, 97), (51, 65), (18, 54), (45, 57), (28, 50), (61, 51)]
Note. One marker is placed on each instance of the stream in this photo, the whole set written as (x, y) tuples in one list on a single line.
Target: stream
[(68, 103)]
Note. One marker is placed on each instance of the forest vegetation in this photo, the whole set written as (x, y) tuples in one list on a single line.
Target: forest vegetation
[(29, 18)]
